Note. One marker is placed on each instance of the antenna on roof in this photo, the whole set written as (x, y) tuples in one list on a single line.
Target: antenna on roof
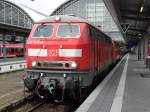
[(40, 13)]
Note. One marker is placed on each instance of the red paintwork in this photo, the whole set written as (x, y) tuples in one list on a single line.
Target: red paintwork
[(148, 50)]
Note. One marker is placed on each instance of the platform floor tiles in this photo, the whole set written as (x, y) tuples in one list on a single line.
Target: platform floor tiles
[(11, 87), (128, 89)]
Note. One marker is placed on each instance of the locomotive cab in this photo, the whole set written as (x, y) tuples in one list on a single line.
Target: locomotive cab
[(57, 46)]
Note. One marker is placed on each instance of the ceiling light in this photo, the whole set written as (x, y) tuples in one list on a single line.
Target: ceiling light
[(141, 10)]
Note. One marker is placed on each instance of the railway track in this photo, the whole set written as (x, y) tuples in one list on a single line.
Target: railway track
[(53, 107), (46, 106), (16, 104), (34, 107), (37, 105)]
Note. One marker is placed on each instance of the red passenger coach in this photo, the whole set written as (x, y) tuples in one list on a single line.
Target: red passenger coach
[(65, 53), (12, 50)]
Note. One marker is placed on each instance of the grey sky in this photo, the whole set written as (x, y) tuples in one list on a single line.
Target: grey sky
[(44, 6)]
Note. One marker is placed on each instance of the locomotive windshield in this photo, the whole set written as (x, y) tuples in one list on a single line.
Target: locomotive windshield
[(43, 31), (68, 31)]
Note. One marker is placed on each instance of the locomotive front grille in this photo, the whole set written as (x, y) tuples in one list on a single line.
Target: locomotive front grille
[(54, 64)]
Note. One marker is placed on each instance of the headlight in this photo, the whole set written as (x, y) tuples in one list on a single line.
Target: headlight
[(34, 63), (74, 65), (58, 18)]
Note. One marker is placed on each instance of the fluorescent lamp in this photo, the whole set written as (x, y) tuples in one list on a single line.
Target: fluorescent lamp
[(141, 10)]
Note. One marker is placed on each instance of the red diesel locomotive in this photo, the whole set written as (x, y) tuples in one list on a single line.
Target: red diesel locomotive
[(66, 53)]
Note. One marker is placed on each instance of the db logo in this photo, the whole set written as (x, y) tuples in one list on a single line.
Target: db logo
[(53, 53)]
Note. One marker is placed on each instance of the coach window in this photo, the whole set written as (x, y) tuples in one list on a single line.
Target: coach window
[(7, 50), (68, 31), (43, 31)]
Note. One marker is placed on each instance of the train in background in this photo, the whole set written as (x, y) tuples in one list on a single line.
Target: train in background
[(11, 50), (66, 54), (13, 46)]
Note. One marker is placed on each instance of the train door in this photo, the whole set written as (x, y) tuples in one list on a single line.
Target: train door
[(100, 53), (96, 54), (12, 50)]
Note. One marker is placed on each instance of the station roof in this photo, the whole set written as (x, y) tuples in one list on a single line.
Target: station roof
[(14, 18), (128, 11), (136, 13), (38, 9)]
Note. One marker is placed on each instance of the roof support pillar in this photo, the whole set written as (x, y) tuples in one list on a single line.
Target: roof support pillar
[(24, 45)]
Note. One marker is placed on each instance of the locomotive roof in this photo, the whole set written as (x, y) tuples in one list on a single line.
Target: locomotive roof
[(64, 18)]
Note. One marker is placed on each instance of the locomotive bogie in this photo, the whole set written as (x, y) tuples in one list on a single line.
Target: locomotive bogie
[(65, 81)]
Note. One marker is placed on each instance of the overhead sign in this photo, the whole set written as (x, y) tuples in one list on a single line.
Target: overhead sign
[(124, 27)]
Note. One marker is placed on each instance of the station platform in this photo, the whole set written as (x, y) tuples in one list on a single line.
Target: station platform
[(125, 89), (11, 85), (12, 64)]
